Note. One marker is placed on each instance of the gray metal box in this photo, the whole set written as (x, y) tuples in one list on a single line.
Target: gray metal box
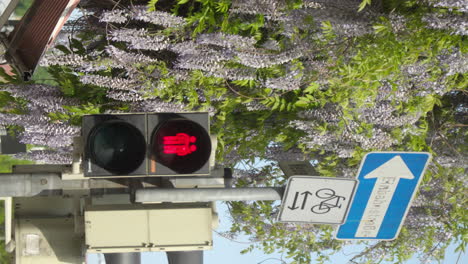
[(156, 227)]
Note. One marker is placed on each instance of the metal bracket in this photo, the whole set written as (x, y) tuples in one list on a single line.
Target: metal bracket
[(76, 171), (9, 242)]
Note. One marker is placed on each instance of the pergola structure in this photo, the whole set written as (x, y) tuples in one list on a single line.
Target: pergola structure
[(34, 34)]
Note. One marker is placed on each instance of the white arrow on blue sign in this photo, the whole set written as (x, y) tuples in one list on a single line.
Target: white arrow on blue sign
[(387, 184)]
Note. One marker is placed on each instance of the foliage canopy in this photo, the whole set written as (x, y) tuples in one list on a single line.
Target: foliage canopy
[(319, 80)]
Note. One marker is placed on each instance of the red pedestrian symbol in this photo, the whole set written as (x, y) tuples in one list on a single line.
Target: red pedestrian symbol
[(179, 144)]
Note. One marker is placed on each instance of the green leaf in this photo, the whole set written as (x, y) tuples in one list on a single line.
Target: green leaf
[(363, 4), (78, 45), (379, 28), (312, 88), (8, 78), (452, 199), (302, 103), (276, 103), (152, 5), (222, 6), (63, 49), (283, 104)]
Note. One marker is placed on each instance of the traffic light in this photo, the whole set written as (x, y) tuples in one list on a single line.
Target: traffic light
[(146, 144)]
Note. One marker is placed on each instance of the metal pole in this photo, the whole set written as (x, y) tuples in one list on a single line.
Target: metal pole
[(185, 257), (46, 180), (122, 258), (208, 194), (50, 184), (27, 185)]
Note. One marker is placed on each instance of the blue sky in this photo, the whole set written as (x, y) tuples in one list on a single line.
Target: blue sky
[(227, 252)]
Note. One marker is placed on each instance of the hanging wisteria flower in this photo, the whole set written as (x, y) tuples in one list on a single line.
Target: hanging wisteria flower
[(158, 105), (125, 96), (54, 141), (47, 156), (185, 47), (389, 91), (39, 131), (72, 59), (329, 113), (23, 120), (454, 62), (459, 5), (290, 82), (398, 22), (457, 24), (156, 17), (383, 114), (344, 19), (128, 60), (31, 90), (41, 98), (139, 39), (76, 61), (113, 83), (271, 44), (233, 73), (205, 59), (257, 59), (267, 7), (226, 41), (255, 106), (312, 4), (114, 16)]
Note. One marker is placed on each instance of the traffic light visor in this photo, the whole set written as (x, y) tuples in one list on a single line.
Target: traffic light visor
[(117, 146), (181, 145)]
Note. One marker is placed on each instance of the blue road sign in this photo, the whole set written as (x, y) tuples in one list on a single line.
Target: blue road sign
[(387, 184)]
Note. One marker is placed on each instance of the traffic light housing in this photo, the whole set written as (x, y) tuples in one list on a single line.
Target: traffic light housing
[(146, 144)]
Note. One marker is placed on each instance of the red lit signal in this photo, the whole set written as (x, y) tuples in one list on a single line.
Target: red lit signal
[(179, 144)]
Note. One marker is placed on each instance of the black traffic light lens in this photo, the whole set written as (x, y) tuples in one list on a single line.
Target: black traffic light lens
[(117, 147), (181, 145)]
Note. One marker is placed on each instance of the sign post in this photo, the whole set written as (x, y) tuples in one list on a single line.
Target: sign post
[(291, 168), (387, 184)]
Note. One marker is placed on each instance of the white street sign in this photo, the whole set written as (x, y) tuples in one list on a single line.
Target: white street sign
[(316, 199)]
